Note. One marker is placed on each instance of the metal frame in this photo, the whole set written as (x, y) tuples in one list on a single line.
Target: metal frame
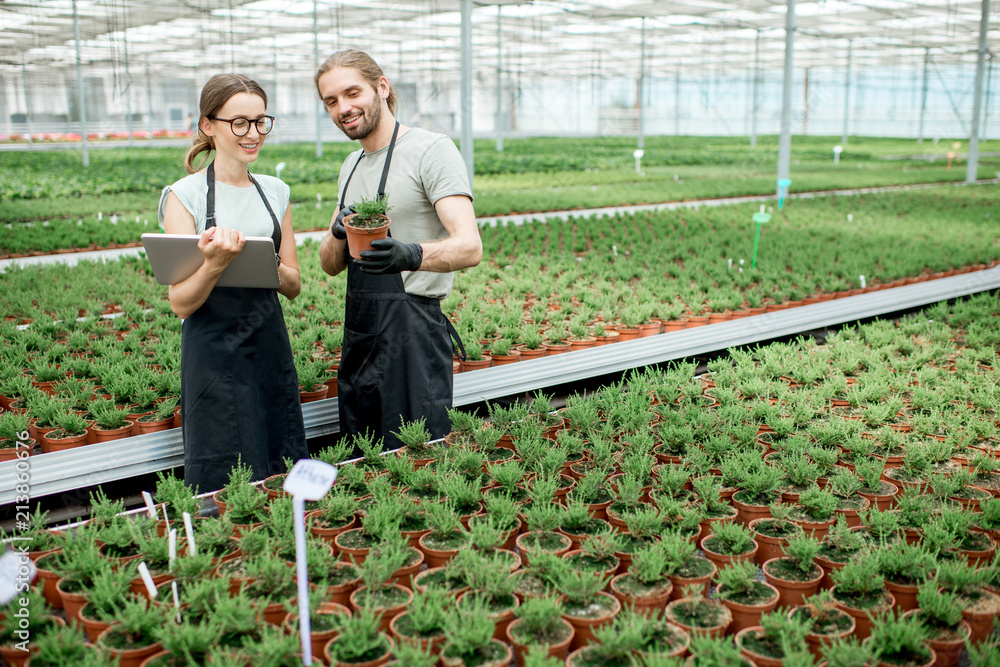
[(64, 472)]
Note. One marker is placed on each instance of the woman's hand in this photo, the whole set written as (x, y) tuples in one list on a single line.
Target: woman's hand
[(220, 246)]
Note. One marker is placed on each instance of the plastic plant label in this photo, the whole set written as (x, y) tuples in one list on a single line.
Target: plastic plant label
[(147, 579), (862, 281), (189, 532), (177, 599), (150, 507), (16, 572), (310, 479), (172, 547)]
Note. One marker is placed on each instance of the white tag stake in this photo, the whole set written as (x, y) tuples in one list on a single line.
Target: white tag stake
[(309, 479), (166, 519), (150, 507), (147, 579), (189, 532), (177, 599), (863, 283), (172, 547)]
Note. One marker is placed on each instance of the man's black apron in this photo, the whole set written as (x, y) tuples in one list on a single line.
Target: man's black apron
[(239, 388), (396, 362)]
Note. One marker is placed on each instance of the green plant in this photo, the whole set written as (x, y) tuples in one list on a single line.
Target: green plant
[(541, 621), (939, 610), (800, 551), (415, 436), (470, 633), (730, 538), (860, 581), (369, 212), (137, 625), (59, 645), (427, 615), (738, 583), (815, 504), (360, 639), (781, 636), (848, 652), (899, 639)]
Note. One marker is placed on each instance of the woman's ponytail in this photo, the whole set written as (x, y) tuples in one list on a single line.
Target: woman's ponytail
[(202, 144)]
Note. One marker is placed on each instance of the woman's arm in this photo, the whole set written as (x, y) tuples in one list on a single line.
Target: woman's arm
[(219, 245), (288, 269)]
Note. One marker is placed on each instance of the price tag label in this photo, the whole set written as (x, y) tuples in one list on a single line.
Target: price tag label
[(310, 479)]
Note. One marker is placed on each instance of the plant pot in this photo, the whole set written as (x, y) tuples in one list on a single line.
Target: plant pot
[(721, 559), (317, 394), (385, 613), (317, 639), (360, 239), (767, 547), (328, 535), (436, 557), (132, 657), (476, 364), (427, 644), (748, 615), (377, 662), (947, 649), (791, 593), (649, 604), (817, 641), (749, 512), (714, 631), (92, 626), (558, 650), (817, 529), (905, 595), (107, 435), (681, 583), (50, 581), (503, 661), (583, 627), (72, 602), (154, 426), (523, 542), (862, 621), (756, 658), (981, 615), (356, 555)]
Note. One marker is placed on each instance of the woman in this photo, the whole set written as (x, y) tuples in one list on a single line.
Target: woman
[(239, 389)]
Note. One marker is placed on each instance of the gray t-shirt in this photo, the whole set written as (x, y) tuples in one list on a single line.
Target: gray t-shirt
[(425, 167), (235, 207)]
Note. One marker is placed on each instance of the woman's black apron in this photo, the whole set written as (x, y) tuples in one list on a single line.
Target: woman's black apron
[(396, 361), (239, 389)]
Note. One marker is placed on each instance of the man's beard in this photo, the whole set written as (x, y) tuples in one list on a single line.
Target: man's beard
[(370, 119)]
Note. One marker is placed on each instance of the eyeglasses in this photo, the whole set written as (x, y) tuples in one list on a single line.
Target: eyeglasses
[(241, 125)]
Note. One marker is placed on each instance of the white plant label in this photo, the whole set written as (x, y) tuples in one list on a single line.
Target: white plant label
[(189, 532), (147, 579), (150, 507), (177, 599), (16, 572), (172, 547), (309, 479), (863, 283)]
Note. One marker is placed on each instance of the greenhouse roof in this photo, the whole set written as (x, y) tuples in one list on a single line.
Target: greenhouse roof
[(538, 38)]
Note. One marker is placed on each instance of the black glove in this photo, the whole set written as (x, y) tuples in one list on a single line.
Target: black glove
[(337, 228), (390, 256)]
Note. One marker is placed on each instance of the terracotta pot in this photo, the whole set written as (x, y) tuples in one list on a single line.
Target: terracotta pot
[(863, 623), (756, 658), (981, 616), (792, 593), (128, 657), (360, 239), (377, 662), (385, 613), (420, 587), (767, 547), (502, 618), (328, 534), (681, 583), (905, 595), (523, 545), (748, 615), (61, 444), (50, 581), (92, 626), (404, 575), (317, 394), (817, 641), (431, 644), (714, 631), (500, 662), (651, 604), (817, 529), (829, 567), (948, 651), (15, 657), (559, 650), (350, 554), (72, 602), (722, 560), (747, 512), (584, 627), (504, 359), (341, 593), (436, 557), (107, 435), (154, 426), (477, 364), (626, 333)]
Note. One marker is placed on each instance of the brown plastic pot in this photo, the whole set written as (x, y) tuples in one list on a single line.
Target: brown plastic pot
[(817, 641), (360, 239), (862, 620), (748, 615), (584, 627), (790, 592), (721, 559), (651, 604), (558, 650), (713, 631), (948, 650), (377, 662), (132, 657), (756, 658)]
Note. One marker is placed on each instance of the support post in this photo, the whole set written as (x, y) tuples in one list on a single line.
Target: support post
[(641, 88), (805, 103), (466, 86), (149, 105), (500, 91), (80, 95), (923, 96), (677, 103), (27, 101), (317, 110), (847, 95), (755, 108), (785, 141), (986, 99), (972, 166)]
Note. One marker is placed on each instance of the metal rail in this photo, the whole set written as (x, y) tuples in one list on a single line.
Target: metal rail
[(68, 471)]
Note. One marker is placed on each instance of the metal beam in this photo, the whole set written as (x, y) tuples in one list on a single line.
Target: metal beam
[(923, 96), (641, 88), (755, 107), (466, 88), (847, 95), (972, 166), (785, 142), (80, 95), (317, 107), (499, 121)]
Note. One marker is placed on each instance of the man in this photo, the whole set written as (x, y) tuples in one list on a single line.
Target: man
[(396, 363)]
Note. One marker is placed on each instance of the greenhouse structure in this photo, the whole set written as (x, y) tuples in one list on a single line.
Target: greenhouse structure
[(681, 346)]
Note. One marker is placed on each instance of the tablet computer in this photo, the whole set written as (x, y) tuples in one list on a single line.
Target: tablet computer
[(175, 257)]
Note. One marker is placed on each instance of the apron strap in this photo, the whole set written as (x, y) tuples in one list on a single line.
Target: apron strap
[(210, 205), (385, 169), (453, 333)]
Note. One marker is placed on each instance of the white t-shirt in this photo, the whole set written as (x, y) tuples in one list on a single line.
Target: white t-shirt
[(235, 207), (425, 167)]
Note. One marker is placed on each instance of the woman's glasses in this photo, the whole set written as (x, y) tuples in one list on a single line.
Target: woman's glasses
[(241, 125)]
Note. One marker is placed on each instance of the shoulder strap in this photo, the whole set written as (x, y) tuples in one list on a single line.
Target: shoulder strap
[(210, 197), (349, 177), (276, 235)]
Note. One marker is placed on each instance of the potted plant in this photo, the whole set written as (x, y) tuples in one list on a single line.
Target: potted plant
[(900, 640), (133, 635), (729, 541), (539, 623), (826, 622), (859, 590), (379, 592), (361, 641), (774, 641), (542, 520), (471, 642), (940, 614), (796, 576), (744, 596), (709, 651), (36, 617), (14, 436), (161, 418), (596, 555), (905, 567), (585, 604), (815, 511), (335, 514), (423, 623), (839, 546), (684, 568), (416, 439), (491, 583), (110, 421), (60, 645), (979, 607), (646, 587), (368, 223), (699, 615)]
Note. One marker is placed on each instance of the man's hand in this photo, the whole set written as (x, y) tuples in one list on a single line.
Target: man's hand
[(391, 256), (337, 228)]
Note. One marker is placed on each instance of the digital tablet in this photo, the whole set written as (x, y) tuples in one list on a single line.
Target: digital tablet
[(174, 257)]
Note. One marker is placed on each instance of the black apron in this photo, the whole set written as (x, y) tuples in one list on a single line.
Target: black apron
[(239, 388), (396, 361)]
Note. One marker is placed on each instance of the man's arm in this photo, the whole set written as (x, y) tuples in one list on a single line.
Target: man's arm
[(463, 248), (332, 252)]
